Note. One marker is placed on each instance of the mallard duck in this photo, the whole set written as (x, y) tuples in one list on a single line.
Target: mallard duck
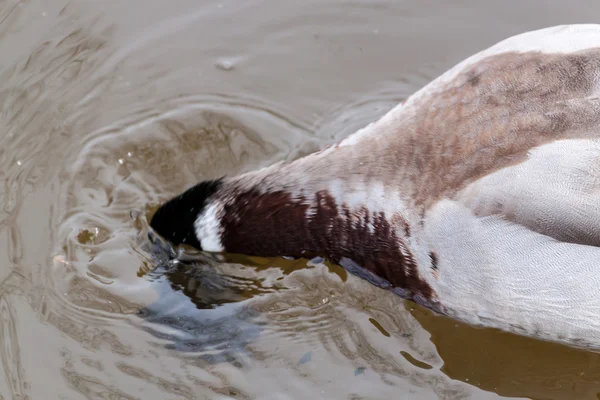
[(478, 197)]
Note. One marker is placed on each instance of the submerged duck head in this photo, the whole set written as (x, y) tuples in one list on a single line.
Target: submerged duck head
[(175, 219)]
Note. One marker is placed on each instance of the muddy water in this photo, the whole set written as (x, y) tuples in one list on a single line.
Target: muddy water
[(112, 106)]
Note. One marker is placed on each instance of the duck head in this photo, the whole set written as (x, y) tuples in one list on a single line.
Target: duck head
[(175, 219)]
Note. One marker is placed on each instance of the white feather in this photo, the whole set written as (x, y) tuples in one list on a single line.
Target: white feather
[(208, 228), (499, 274)]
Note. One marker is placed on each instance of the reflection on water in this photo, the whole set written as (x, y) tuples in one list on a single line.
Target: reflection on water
[(111, 107), (198, 307)]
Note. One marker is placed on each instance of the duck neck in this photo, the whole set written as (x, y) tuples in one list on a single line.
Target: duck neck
[(363, 228)]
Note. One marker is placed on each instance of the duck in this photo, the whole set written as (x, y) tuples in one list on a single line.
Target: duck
[(478, 197)]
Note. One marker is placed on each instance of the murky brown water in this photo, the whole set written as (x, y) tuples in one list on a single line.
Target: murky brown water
[(113, 106)]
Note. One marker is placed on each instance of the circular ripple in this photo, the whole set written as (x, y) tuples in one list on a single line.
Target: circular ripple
[(140, 162)]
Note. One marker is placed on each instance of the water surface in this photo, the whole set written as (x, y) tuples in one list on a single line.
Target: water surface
[(112, 106)]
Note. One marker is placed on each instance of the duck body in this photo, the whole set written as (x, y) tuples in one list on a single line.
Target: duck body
[(479, 197)]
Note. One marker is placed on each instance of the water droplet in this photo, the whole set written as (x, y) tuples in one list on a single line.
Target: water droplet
[(121, 161), (129, 154), (19, 163), (224, 65)]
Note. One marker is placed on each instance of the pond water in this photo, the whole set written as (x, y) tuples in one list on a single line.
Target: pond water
[(109, 107)]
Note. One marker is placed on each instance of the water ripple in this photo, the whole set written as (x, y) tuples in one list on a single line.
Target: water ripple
[(108, 108)]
